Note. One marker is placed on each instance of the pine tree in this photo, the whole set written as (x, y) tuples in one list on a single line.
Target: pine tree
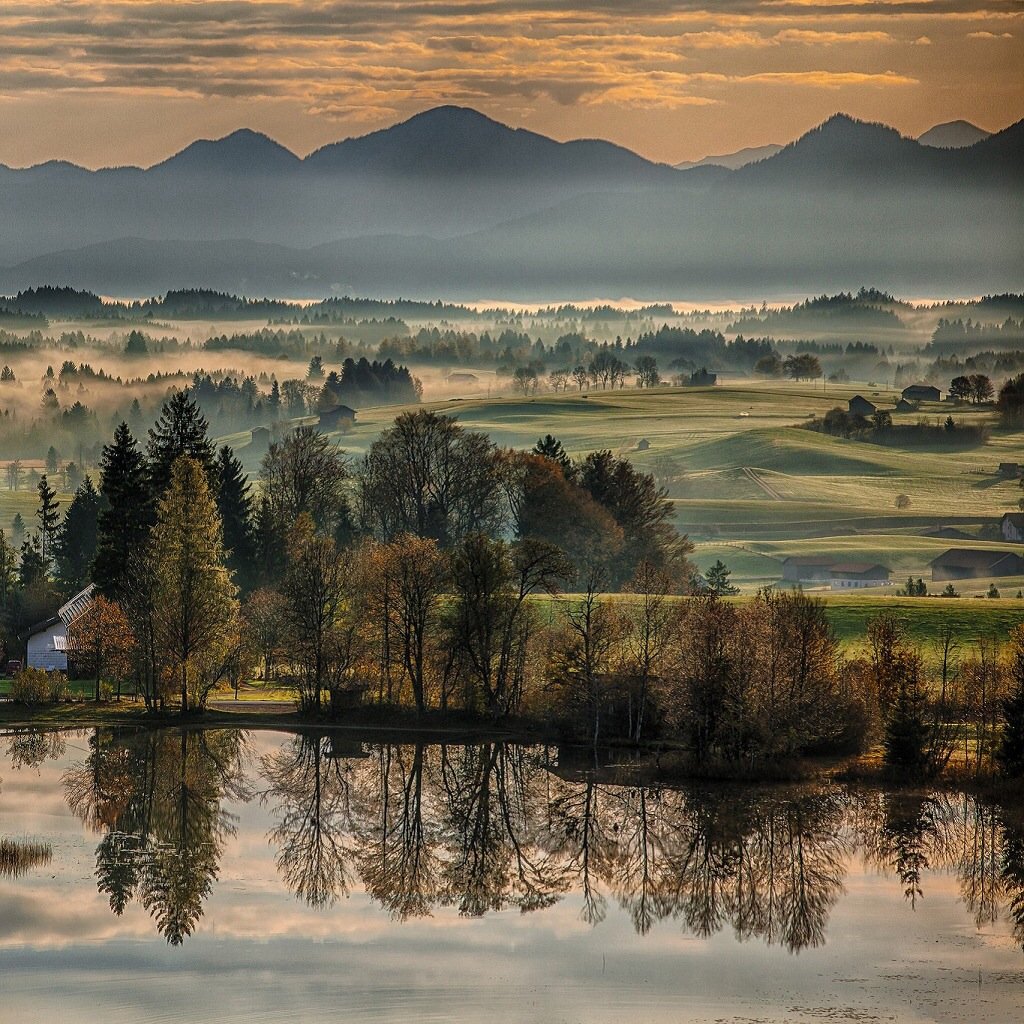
[(32, 569), (48, 514), (180, 431), (8, 572), (234, 503), (717, 579), (194, 603), (75, 546), (551, 448), (127, 514)]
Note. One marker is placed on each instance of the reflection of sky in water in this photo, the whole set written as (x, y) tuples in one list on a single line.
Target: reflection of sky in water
[(259, 954)]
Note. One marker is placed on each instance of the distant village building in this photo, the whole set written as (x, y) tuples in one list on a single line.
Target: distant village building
[(462, 377), (806, 568), (1009, 470), (904, 406), (922, 393), (703, 379), (259, 440), (969, 564), (948, 533), (857, 575), (341, 417), (1011, 526), (839, 575), (47, 641), (860, 406)]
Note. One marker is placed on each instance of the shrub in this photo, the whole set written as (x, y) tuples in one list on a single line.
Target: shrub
[(35, 686)]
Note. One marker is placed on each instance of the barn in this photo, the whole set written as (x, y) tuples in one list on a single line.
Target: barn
[(1011, 526), (922, 393), (339, 418), (860, 406), (970, 563), (47, 641)]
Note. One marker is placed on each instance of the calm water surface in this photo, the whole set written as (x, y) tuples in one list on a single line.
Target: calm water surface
[(233, 876)]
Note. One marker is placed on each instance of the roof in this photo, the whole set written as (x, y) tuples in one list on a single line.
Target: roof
[(67, 613), (339, 410), (921, 387), (1017, 518), (808, 560), (78, 605), (860, 568), (972, 558)]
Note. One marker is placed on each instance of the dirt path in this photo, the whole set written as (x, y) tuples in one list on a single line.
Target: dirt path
[(752, 475)]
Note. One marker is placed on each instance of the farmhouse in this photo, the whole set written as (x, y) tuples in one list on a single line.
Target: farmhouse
[(462, 377), (1009, 470), (922, 393), (643, 444), (968, 563), (857, 575), (839, 575), (1011, 526), (47, 642), (341, 417), (904, 406), (860, 406)]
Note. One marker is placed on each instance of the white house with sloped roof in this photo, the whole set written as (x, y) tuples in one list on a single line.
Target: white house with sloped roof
[(47, 642)]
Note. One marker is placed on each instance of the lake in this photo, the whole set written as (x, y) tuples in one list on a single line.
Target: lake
[(224, 875)]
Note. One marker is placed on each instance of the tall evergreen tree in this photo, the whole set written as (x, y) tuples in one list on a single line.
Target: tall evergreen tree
[(180, 431), (234, 503), (8, 572), (48, 514), (127, 514), (32, 569), (75, 546)]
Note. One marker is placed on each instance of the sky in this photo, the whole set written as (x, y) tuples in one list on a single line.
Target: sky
[(108, 82)]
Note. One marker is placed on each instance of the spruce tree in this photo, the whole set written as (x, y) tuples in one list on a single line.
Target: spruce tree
[(234, 503), (32, 569), (48, 514), (551, 448), (125, 519), (180, 431), (1010, 752), (8, 572), (75, 546)]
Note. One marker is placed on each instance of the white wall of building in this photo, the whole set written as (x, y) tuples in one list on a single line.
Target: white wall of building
[(42, 649)]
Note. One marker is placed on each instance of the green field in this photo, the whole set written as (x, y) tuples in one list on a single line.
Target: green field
[(751, 487)]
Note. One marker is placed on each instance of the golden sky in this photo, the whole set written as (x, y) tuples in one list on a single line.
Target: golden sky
[(131, 81)]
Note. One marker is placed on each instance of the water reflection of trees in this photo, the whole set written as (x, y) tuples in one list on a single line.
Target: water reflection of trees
[(488, 827), (156, 798)]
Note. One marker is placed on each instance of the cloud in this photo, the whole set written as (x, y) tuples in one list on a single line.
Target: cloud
[(989, 35)]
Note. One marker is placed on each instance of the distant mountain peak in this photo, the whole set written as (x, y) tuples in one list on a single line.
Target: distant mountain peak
[(243, 148), (953, 135)]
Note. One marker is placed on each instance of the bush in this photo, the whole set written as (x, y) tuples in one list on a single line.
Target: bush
[(35, 686)]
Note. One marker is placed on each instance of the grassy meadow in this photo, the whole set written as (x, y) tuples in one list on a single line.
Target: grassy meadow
[(751, 487)]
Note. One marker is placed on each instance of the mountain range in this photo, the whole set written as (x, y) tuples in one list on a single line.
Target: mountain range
[(451, 202), (950, 135)]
